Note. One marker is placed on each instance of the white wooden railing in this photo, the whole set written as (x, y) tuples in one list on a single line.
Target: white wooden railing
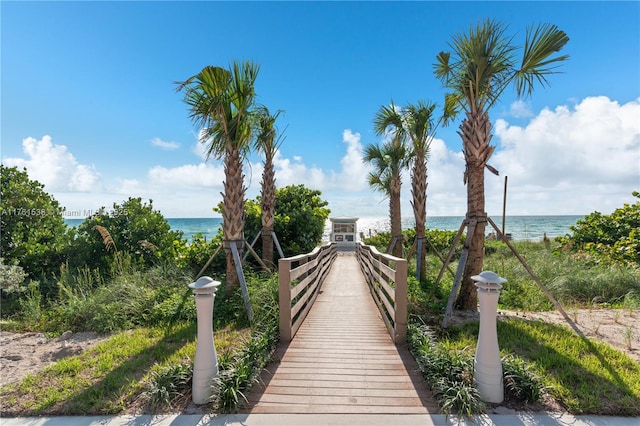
[(386, 277), (300, 278)]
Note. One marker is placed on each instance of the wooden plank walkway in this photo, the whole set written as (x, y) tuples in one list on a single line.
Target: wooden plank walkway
[(342, 359)]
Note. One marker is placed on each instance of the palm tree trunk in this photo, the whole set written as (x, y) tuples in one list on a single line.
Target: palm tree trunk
[(233, 211), (419, 204), (468, 296), (476, 136), (395, 216), (268, 209)]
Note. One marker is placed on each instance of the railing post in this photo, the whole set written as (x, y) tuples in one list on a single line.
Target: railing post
[(400, 320), (284, 296)]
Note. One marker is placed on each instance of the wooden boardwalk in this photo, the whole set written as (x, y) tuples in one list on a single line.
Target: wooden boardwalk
[(342, 359)]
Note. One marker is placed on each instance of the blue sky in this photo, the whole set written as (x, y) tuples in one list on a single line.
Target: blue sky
[(88, 101)]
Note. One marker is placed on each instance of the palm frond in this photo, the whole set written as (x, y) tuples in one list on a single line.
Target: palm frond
[(541, 43)]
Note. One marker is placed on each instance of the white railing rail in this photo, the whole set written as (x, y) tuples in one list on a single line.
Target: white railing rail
[(300, 278), (386, 277)]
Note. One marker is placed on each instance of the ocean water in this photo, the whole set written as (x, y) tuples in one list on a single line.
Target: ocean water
[(529, 228), (190, 227)]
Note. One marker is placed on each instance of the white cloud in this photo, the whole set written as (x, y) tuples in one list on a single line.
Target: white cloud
[(295, 172), (571, 160), (165, 145), (55, 167), (202, 175), (353, 171), (520, 109)]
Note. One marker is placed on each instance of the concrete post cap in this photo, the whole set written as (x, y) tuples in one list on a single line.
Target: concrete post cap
[(204, 285), (488, 277)]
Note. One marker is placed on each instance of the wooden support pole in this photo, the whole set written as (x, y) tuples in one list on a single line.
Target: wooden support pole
[(552, 299), (458, 279), (451, 251), (204, 268), (243, 283)]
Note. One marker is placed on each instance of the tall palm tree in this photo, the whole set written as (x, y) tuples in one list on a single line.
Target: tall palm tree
[(481, 66), (419, 127), (268, 142), (389, 163), (220, 102)]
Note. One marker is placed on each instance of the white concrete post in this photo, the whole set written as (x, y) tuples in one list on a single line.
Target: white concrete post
[(487, 366), (205, 364)]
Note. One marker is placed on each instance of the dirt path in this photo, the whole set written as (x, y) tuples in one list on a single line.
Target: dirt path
[(618, 328), (25, 353)]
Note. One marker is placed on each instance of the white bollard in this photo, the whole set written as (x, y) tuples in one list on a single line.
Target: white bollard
[(205, 364), (487, 366)]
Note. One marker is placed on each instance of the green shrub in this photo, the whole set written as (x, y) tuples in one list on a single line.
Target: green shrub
[(193, 256), (300, 216), (33, 231), (610, 238), (132, 227)]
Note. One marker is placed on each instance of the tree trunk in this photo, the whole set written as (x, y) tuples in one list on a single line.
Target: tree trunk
[(468, 296), (233, 210), (268, 210), (395, 215), (475, 130), (419, 204)]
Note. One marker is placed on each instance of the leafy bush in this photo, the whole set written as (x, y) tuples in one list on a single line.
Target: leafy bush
[(612, 238), (11, 278), (33, 230), (193, 256), (300, 217), (132, 227), (450, 372), (441, 241), (521, 383)]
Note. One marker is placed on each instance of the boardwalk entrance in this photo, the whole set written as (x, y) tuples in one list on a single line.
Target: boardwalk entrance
[(342, 359)]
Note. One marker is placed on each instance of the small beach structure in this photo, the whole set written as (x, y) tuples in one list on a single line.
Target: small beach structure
[(344, 232)]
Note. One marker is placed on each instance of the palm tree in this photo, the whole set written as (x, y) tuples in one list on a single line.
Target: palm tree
[(268, 142), (481, 67), (419, 127), (220, 102), (389, 162)]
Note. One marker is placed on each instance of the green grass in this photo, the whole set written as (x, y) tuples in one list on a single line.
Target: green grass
[(584, 376), (111, 376)]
